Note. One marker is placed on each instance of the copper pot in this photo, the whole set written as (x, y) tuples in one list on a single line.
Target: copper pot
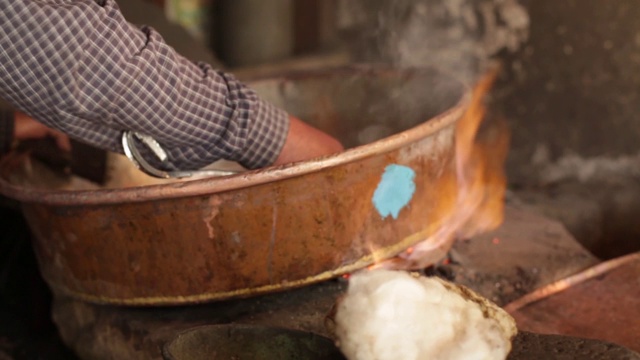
[(200, 240)]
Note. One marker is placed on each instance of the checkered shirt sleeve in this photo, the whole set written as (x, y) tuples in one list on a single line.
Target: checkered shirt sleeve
[(80, 67)]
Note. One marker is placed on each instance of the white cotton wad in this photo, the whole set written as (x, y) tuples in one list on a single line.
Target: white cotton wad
[(394, 315)]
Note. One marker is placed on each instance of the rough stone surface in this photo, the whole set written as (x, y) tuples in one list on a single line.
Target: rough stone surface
[(526, 252), (582, 216), (573, 87), (106, 332), (529, 346), (601, 214)]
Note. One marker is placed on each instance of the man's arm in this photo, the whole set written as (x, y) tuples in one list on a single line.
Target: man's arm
[(79, 67), (304, 142)]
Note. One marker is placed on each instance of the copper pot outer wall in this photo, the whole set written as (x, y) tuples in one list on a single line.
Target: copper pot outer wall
[(303, 227)]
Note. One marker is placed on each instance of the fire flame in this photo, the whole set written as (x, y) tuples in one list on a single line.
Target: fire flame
[(481, 183)]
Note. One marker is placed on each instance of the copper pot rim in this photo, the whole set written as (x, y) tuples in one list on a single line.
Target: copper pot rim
[(215, 185)]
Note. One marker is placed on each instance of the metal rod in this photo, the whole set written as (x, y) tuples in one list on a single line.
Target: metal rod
[(568, 282)]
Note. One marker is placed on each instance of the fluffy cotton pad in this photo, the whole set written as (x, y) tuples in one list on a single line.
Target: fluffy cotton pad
[(396, 315)]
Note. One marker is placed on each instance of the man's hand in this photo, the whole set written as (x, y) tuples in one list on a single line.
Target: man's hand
[(305, 142), (27, 127)]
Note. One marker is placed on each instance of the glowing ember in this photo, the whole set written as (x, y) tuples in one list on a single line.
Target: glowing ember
[(480, 183)]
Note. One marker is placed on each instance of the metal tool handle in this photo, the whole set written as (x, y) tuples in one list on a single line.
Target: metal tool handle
[(133, 154)]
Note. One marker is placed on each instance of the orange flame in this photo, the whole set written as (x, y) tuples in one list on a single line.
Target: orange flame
[(481, 182)]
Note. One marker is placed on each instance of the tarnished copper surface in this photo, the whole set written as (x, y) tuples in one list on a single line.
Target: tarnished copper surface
[(600, 303), (261, 231)]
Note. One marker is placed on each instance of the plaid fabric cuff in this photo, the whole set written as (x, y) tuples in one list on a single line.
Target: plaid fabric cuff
[(267, 134), (6, 130)]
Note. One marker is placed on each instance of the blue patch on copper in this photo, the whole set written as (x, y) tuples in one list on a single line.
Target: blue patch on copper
[(395, 190)]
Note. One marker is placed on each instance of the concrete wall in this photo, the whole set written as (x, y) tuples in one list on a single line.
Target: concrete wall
[(574, 88)]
